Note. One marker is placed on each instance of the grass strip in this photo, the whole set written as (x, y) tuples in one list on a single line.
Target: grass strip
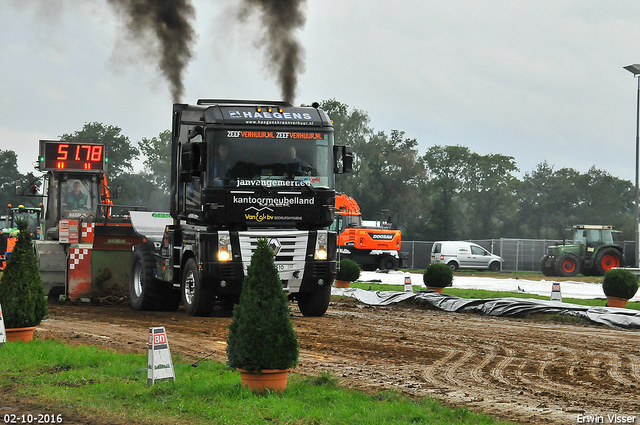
[(110, 386)]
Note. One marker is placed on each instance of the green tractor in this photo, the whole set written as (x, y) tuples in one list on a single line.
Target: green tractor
[(592, 253), (9, 228)]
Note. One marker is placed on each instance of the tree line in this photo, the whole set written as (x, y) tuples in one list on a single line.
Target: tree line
[(450, 192), (447, 192)]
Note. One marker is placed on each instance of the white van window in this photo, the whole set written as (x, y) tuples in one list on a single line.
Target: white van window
[(476, 250), (437, 248)]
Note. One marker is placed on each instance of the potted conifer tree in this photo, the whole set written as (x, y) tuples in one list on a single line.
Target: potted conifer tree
[(262, 343), (619, 285), (438, 276), (21, 291), (348, 271)]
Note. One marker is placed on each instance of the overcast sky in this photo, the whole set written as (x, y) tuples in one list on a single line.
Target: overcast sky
[(535, 80)]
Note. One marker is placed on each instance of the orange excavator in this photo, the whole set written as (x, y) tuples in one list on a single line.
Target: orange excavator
[(373, 245)]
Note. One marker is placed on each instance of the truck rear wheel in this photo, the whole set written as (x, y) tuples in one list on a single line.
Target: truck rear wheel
[(314, 304), (197, 298), (607, 259), (388, 262), (143, 292), (567, 265)]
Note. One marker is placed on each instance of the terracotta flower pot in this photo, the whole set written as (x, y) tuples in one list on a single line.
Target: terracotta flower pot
[(20, 334), (342, 283), (435, 289), (271, 379), (616, 302)]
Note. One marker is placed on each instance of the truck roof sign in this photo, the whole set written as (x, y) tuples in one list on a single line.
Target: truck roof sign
[(265, 115)]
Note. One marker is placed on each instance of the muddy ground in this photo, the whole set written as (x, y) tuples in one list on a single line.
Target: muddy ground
[(527, 370)]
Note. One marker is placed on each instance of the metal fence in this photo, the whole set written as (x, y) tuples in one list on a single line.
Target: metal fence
[(517, 254)]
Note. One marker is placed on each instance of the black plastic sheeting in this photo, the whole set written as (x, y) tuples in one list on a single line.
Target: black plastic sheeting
[(611, 316)]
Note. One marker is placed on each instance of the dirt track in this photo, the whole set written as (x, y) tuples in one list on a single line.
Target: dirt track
[(519, 369)]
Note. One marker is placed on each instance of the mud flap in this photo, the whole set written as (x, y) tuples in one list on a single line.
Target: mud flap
[(110, 272)]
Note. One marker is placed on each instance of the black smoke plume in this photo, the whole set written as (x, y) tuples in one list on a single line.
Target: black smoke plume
[(169, 22), (280, 19)]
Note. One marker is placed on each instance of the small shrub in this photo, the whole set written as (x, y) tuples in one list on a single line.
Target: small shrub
[(348, 270), (21, 291), (438, 275), (261, 335), (620, 283)]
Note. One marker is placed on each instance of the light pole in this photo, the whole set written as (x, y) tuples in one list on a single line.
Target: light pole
[(635, 70)]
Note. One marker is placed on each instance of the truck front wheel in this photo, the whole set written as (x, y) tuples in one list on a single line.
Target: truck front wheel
[(142, 291), (197, 298), (314, 304)]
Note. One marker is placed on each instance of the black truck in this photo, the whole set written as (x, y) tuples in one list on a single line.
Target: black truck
[(241, 171)]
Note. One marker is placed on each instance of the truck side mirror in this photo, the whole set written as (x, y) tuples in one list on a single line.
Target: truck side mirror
[(347, 159), (342, 159), (190, 160)]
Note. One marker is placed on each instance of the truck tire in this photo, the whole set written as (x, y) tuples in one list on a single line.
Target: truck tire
[(143, 292), (567, 265), (453, 266), (314, 304), (388, 262), (494, 267), (607, 259), (546, 270), (197, 298)]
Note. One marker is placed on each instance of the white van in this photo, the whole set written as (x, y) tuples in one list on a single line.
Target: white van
[(464, 255)]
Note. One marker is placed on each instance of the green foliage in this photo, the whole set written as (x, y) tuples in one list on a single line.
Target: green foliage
[(620, 283), (119, 150), (438, 275), (139, 190), (261, 335), (348, 270), (21, 291), (157, 151)]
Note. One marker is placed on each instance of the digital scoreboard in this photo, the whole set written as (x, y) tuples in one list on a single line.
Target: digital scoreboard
[(72, 156)]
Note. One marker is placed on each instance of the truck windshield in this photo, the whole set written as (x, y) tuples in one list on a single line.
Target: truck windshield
[(239, 158)]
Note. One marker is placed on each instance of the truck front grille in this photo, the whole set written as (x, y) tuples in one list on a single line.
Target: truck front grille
[(293, 245)]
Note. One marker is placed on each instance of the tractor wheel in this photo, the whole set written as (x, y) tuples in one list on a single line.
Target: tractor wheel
[(567, 265), (143, 291), (546, 270), (197, 298), (607, 259), (388, 262), (314, 304)]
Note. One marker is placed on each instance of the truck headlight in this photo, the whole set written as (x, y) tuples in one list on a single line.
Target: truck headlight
[(321, 246), (224, 247), (224, 255)]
